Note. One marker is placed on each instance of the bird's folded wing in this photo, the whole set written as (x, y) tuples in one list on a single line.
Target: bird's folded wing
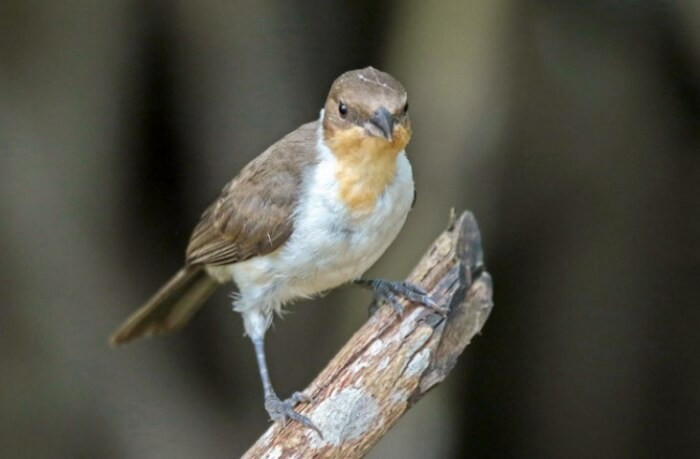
[(253, 214)]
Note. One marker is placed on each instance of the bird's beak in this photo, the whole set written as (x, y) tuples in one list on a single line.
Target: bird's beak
[(382, 120)]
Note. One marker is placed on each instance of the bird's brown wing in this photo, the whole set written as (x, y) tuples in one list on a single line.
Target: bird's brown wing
[(253, 214)]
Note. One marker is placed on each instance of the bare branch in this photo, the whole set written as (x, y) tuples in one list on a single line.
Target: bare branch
[(391, 362)]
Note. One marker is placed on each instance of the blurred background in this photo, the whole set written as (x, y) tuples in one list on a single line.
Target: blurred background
[(571, 129)]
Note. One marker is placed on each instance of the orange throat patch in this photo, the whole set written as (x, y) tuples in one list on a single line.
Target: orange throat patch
[(366, 164)]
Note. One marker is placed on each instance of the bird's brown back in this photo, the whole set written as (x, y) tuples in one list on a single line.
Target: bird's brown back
[(253, 214)]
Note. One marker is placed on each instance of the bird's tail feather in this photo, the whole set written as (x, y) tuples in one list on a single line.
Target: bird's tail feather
[(170, 308)]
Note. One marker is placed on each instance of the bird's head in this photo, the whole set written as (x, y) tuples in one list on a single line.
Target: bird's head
[(366, 111)]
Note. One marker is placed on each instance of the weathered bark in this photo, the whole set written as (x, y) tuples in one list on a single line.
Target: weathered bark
[(391, 362)]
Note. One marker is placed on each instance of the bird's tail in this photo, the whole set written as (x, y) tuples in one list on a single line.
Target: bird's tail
[(170, 308)]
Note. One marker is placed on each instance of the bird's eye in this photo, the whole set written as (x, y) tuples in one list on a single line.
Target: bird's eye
[(342, 109), (405, 109)]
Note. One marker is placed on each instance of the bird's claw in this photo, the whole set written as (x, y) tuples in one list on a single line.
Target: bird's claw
[(392, 291), (281, 410)]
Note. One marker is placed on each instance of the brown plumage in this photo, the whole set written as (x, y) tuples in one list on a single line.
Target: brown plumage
[(352, 89), (170, 308), (251, 217)]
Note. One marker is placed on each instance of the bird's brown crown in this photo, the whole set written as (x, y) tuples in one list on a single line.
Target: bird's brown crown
[(366, 125)]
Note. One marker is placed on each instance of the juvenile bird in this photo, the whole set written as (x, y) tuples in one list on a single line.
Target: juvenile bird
[(313, 211)]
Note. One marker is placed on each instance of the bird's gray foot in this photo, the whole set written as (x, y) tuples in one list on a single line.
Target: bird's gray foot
[(392, 291), (281, 410)]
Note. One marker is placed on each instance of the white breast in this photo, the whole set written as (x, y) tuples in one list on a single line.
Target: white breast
[(328, 246)]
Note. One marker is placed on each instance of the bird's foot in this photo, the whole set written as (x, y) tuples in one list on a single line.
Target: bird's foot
[(281, 410), (392, 291)]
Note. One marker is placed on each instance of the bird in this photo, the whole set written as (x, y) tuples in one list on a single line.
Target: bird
[(314, 211)]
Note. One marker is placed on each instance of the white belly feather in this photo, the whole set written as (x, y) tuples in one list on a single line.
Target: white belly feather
[(328, 246)]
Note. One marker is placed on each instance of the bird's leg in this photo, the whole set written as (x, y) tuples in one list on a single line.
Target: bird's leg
[(279, 410), (391, 291)]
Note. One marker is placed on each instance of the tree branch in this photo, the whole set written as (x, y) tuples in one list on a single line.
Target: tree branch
[(391, 362)]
